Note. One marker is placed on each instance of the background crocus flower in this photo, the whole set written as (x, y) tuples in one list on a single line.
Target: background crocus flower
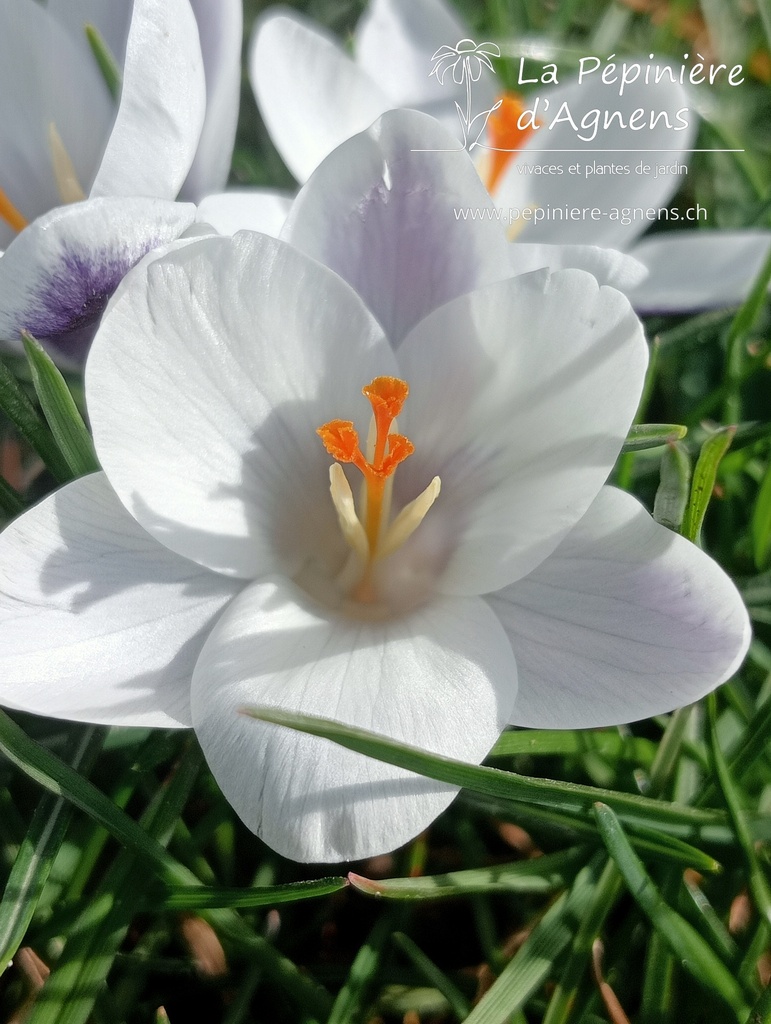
[(312, 95), (114, 164), (213, 566)]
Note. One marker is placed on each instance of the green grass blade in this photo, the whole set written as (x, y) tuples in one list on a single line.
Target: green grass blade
[(568, 798), (536, 959), (652, 435), (688, 946), (758, 883), (60, 411), (11, 502), (59, 778), (606, 893), (436, 978), (704, 475), (189, 897), (672, 495), (547, 742), (349, 1004), (542, 874), (37, 853), (30, 425), (761, 524)]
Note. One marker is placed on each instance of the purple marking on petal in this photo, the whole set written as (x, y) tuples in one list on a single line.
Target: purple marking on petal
[(72, 298)]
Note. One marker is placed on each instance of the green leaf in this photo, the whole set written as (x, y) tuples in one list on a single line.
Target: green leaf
[(104, 58), (673, 490), (542, 874), (652, 435), (192, 897), (685, 942), (60, 410), (570, 799), (704, 475), (21, 412)]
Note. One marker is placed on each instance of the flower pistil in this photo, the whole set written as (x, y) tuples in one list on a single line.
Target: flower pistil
[(369, 534)]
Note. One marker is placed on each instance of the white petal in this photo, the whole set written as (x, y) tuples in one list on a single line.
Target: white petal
[(256, 209), (625, 620), (388, 218), (698, 269), (443, 678), (394, 43), (162, 104), (617, 269), (99, 623), (213, 367), (220, 26), (609, 193), (57, 275), (46, 78), (521, 395), (310, 93)]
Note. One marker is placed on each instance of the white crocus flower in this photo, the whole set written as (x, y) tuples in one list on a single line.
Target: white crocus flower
[(265, 534), (86, 184), (313, 95)]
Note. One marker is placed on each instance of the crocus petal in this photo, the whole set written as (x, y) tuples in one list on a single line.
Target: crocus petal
[(443, 678), (625, 620), (609, 193), (58, 274), (162, 104), (691, 270), (46, 78), (521, 395), (394, 43), (100, 623), (220, 26), (256, 209), (310, 93), (387, 218), (617, 269), (245, 346)]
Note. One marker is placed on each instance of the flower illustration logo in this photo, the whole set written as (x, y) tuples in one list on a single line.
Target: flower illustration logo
[(466, 61)]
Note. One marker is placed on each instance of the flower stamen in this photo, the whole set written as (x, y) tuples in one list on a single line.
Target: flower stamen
[(10, 214), (65, 175), (369, 535)]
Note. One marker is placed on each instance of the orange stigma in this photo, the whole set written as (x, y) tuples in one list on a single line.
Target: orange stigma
[(10, 214), (387, 396), (505, 137)]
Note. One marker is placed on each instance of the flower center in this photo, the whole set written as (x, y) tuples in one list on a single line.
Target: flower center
[(505, 137), (370, 533), (65, 176)]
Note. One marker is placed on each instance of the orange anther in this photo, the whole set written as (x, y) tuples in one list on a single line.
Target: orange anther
[(505, 137), (10, 214)]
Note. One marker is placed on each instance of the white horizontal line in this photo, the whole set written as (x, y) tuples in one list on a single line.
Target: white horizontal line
[(545, 152)]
